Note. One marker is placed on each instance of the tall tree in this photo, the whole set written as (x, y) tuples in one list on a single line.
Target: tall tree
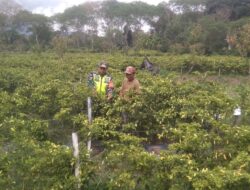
[(187, 5), (229, 9), (214, 34), (81, 20), (9, 7), (37, 27), (3, 22), (243, 40)]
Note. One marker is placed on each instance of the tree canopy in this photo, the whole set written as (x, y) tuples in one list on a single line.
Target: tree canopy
[(170, 26)]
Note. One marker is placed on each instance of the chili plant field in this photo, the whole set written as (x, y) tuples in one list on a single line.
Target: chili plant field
[(187, 109)]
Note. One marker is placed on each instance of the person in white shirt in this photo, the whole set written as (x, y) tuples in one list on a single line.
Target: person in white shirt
[(237, 115)]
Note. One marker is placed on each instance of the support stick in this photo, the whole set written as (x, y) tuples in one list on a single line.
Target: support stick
[(90, 120), (76, 155)]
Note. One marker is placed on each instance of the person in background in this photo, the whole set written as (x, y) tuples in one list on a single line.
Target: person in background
[(130, 83), (237, 115), (101, 82)]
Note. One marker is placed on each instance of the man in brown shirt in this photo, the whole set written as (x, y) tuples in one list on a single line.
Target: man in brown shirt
[(130, 83)]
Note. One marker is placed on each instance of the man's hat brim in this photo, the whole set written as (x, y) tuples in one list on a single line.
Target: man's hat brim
[(103, 66)]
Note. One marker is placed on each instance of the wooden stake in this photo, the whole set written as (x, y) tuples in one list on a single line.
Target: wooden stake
[(90, 120), (76, 155)]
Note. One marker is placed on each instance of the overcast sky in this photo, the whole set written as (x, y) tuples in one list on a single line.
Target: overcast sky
[(50, 7)]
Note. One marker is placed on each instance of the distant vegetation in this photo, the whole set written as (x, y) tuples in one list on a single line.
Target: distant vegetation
[(197, 27)]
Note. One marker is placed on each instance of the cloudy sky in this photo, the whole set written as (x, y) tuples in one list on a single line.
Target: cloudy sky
[(50, 7)]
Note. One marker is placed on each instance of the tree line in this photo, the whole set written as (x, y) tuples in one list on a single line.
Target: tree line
[(198, 27)]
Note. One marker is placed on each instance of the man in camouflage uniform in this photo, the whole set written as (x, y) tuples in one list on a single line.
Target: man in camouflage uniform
[(101, 82)]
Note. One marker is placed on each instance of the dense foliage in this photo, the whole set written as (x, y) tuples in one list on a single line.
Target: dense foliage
[(43, 100)]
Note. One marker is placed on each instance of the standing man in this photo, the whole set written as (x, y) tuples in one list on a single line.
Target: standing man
[(101, 82), (237, 115), (130, 83)]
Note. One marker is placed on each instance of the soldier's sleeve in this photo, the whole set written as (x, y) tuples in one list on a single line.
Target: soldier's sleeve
[(90, 82), (110, 86)]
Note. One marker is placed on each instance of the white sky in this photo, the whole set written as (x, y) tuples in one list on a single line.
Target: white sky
[(50, 7)]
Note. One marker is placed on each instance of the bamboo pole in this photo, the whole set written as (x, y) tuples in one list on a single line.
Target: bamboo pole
[(76, 155), (89, 102)]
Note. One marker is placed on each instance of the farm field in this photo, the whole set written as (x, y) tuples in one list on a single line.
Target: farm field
[(187, 108)]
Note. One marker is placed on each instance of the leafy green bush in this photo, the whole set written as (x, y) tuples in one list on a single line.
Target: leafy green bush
[(43, 100)]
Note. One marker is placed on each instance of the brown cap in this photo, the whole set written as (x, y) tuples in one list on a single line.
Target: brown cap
[(130, 70), (103, 65)]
